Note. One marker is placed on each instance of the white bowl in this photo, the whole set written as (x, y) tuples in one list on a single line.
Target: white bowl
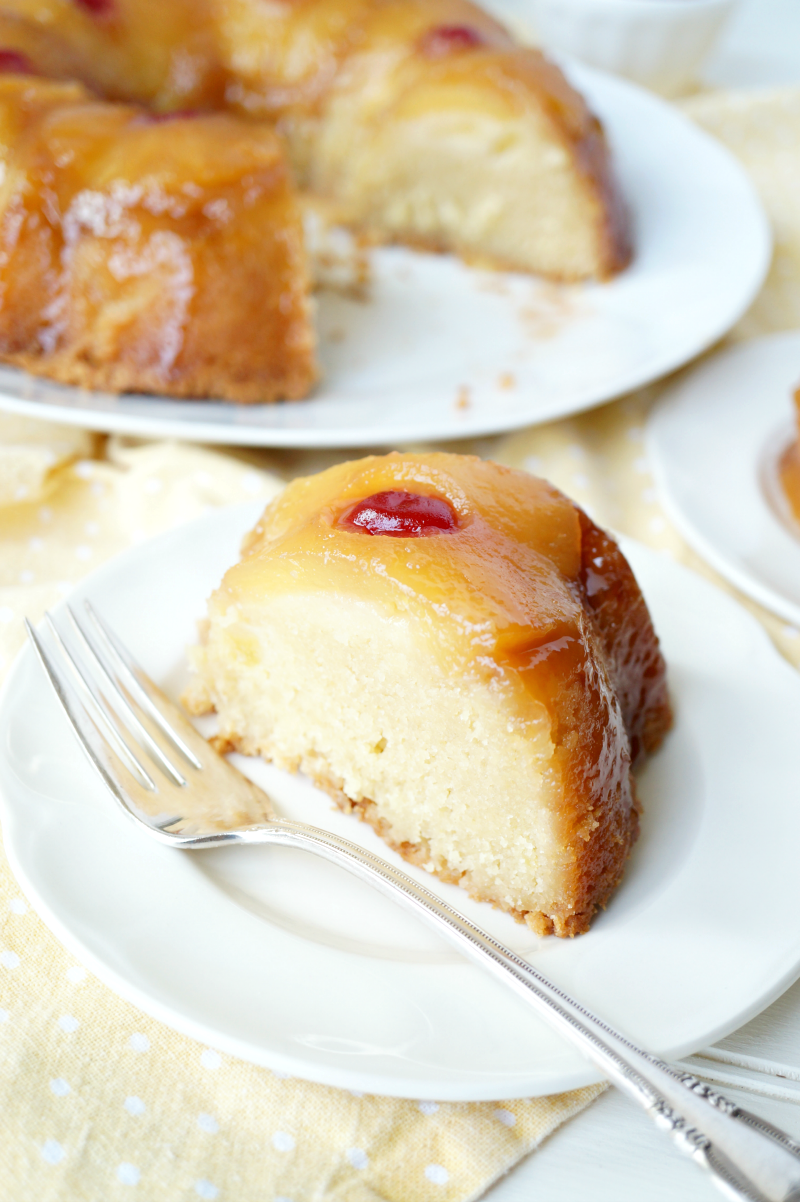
[(658, 43)]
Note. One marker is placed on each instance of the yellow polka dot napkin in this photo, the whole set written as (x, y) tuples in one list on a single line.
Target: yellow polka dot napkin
[(99, 1102)]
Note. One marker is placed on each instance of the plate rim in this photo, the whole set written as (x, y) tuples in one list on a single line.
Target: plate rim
[(759, 241), (547, 1082), (746, 581)]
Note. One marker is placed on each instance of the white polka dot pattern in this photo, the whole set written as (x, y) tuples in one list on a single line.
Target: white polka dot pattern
[(210, 1059), (134, 1106), (283, 1142), (204, 1189), (358, 1158), (59, 1087), (52, 1151), (437, 1174), (128, 1174), (139, 1042)]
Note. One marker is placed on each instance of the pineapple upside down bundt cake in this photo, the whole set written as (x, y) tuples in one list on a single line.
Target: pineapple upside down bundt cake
[(458, 655), (417, 120)]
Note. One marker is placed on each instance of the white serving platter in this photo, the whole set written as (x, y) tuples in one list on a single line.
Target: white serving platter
[(439, 350)]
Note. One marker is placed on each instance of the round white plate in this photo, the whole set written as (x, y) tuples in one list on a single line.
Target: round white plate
[(714, 442), (284, 960), (444, 351)]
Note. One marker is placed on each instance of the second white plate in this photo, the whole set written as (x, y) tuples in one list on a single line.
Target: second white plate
[(443, 351), (284, 960), (713, 442)]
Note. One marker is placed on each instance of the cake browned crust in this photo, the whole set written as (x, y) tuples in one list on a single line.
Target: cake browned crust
[(476, 695), (141, 255)]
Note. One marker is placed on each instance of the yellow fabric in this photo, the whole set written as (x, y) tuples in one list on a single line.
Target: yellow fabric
[(98, 1101)]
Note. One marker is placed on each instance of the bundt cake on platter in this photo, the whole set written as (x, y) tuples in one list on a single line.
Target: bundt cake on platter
[(459, 656), (420, 121)]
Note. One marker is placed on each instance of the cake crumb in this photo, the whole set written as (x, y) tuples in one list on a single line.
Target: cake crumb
[(549, 309), (463, 399), (507, 380)]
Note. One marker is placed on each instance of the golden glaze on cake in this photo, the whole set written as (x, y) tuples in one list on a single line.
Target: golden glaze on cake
[(162, 53), (147, 255), (417, 120), (475, 694)]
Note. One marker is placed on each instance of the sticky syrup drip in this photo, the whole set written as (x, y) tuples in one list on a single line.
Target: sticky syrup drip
[(399, 515)]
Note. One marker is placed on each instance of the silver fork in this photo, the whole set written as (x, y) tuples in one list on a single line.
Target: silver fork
[(187, 794)]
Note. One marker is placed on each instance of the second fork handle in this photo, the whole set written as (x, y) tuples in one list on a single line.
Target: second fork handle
[(748, 1158)]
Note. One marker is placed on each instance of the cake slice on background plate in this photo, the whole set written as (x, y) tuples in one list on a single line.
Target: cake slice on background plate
[(459, 655)]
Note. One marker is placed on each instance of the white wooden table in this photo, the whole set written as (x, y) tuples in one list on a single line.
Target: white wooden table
[(612, 1152)]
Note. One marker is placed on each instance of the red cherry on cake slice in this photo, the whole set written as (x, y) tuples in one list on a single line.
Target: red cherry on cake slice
[(399, 514)]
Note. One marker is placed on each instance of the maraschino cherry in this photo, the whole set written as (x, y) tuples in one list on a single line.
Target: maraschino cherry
[(399, 515)]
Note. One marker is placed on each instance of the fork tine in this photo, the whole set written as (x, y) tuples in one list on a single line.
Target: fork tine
[(104, 712), (119, 662), (89, 737), (120, 699)]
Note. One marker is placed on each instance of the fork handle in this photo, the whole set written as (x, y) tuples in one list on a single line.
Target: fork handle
[(749, 1159)]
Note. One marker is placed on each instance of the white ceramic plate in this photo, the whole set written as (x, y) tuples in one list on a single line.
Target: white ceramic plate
[(284, 960), (433, 351), (714, 442)]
